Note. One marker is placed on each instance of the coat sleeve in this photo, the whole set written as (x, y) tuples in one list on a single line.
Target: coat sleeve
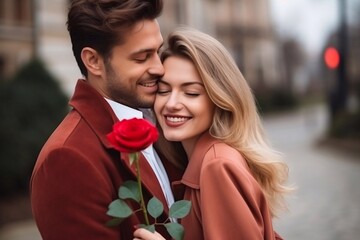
[(69, 198), (232, 204)]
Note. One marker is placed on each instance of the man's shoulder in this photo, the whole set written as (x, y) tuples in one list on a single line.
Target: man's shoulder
[(69, 134), (65, 130), (72, 141)]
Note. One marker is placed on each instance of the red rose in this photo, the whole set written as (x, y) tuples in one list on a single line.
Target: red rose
[(132, 135)]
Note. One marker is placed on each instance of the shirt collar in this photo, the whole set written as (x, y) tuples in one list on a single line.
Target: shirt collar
[(124, 112)]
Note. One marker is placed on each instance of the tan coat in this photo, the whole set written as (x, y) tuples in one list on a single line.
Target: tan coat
[(227, 202)]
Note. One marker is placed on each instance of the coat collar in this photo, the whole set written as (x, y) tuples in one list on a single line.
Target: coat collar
[(191, 176), (94, 109)]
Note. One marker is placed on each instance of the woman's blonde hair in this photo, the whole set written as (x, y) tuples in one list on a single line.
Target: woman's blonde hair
[(236, 120)]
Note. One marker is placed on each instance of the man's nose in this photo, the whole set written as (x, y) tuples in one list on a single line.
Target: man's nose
[(157, 67)]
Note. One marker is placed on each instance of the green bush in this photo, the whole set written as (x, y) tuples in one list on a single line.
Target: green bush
[(275, 100), (32, 105), (346, 125)]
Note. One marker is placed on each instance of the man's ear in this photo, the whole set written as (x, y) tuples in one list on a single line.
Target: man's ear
[(92, 61)]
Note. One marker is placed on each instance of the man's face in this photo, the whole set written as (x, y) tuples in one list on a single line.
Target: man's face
[(134, 67)]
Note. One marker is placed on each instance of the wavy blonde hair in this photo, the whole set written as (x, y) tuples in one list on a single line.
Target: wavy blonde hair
[(236, 120)]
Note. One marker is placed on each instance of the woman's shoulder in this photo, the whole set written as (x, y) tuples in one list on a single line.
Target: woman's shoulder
[(210, 151), (222, 154), (223, 150), (222, 161)]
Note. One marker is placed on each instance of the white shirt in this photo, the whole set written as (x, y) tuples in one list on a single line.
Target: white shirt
[(125, 112)]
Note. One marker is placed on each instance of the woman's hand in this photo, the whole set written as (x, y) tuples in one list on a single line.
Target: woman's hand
[(143, 234)]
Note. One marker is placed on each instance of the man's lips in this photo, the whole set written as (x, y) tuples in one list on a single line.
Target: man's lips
[(149, 84)]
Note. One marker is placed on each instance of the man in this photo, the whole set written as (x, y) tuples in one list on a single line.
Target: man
[(78, 173)]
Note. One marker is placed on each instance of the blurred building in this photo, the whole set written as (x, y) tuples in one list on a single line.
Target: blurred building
[(54, 45), (37, 27), (16, 35), (244, 26), (194, 13)]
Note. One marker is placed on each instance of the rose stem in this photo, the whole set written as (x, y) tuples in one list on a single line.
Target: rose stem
[(142, 202)]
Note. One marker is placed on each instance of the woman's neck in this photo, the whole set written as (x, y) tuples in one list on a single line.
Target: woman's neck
[(188, 147), (189, 144)]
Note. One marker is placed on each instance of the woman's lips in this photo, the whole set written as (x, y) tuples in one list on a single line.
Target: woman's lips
[(175, 121)]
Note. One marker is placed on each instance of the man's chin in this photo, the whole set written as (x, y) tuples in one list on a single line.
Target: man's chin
[(147, 103)]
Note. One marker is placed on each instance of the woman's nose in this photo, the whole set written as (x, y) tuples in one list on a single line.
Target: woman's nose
[(173, 102)]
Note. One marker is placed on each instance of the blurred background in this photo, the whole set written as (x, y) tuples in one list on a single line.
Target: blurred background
[(301, 58)]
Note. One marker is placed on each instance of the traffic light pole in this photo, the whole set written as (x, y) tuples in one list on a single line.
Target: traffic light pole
[(338, 95), (342, 85)]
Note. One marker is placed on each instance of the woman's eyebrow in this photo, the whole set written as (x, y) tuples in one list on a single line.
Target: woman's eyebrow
[(183, 84)]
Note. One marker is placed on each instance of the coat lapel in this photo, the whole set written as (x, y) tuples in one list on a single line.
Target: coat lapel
[(101, 119)]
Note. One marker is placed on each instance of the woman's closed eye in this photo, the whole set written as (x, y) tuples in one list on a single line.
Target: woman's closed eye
[(163, 91), (163, 88), (192, 94)]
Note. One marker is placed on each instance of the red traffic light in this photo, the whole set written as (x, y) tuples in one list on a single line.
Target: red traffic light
[(332, 57)]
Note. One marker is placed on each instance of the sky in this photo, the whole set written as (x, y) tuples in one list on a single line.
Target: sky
[(309, 21)]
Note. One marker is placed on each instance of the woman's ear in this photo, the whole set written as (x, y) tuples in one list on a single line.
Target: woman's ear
[(92, 61)]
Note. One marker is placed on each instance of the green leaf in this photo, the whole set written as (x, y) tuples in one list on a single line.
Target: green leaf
[(180, 209), (129, 190), (151, 227), (155, 207), (114, 222), (175, 230), (119, 209)]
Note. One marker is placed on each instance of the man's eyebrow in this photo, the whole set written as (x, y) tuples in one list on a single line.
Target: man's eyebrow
[(145, 50)]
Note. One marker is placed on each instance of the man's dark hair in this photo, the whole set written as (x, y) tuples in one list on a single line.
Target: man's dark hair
[(101, 24)]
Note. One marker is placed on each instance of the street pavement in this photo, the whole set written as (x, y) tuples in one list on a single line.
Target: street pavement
[(24, 230), (326, 204)]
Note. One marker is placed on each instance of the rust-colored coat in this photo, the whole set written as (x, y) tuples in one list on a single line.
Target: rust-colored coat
[(227, 202), (78, 173)]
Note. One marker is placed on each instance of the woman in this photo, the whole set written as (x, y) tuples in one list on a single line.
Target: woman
[(233, 178)]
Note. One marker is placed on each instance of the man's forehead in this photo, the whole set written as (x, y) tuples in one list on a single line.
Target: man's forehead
[(145, 36)]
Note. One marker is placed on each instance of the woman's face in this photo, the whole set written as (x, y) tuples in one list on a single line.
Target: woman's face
[(182, 105)]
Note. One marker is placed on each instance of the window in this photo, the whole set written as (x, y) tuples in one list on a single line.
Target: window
[(2, 11), (21, 11)]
